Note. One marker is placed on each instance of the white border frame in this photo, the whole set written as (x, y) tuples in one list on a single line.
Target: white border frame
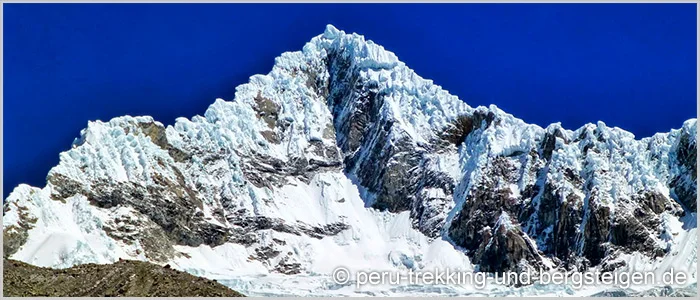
[(2, 2)]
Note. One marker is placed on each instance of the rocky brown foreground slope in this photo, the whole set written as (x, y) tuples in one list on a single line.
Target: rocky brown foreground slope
[(123, 278)]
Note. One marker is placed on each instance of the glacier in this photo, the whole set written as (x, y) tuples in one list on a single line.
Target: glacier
[(342, 156)]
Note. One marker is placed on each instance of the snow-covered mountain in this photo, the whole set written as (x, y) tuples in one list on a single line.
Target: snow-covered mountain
[(344, 156)]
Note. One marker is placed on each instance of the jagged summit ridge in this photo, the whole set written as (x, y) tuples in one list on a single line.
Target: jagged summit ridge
[(343, 151)]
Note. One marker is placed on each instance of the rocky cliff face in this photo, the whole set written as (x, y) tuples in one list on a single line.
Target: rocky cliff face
[(581, 195), (335, 147)]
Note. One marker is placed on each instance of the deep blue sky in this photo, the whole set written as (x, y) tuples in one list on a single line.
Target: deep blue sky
[(630, 65)]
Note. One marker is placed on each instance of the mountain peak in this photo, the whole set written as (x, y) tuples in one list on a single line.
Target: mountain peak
[(331, 32), (342, 146)]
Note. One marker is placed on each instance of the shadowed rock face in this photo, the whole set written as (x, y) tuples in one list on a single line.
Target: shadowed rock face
[(483, 207), (634, 227), (387, 161), (458, 130), (563, 239), (596, 233), (168, 205), (570, 218), (685, 183), (506, 247), (15, 236)]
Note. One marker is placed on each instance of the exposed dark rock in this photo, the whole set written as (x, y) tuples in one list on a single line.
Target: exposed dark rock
[(246, 226), (267, 110), (595, 243), (156, 133), (484, 205), (629, 232), (463, 125), (391, 165), (14, 237), (63, 187), (265, 171), (154, 240), (271, 136), (257, 223), (427, 212), (572, 177), (611, 265), (266, 253), (243, 238), (388, 159), (325, 230), (506, 248), (548, 210), (635, 228), (288, 266), (653, 202), (549, 142), (564, 236), (314, 80), (169, 203), (685, 184)]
